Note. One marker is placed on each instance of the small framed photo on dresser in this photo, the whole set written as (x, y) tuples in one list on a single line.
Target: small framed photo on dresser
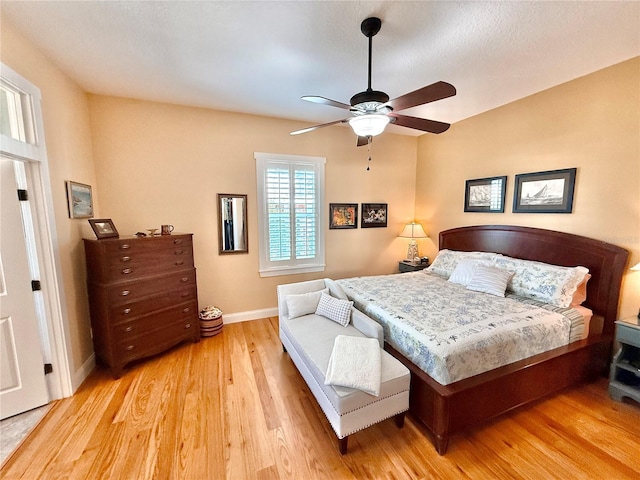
[(103, 228)]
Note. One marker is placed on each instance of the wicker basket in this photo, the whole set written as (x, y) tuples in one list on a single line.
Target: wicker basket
[(210, 321)]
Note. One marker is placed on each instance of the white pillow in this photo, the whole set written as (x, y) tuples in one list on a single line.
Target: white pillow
[(334, 309), (447, 260), (465, 269), (490, 280), (304, 303)]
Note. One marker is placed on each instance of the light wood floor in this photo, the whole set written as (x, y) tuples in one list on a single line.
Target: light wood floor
[(234, 406)]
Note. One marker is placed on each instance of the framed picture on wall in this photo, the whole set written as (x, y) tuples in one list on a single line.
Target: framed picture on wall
[(79, 200), (485, 195), (544, 192), (374, 215), (343, 215)]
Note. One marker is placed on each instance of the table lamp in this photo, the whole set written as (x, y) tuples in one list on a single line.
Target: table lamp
[(413, 230)]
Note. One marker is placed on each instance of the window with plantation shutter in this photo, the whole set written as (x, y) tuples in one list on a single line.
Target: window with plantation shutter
[(290, 213)]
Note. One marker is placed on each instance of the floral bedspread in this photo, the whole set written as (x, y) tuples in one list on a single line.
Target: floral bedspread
[(450, 332)]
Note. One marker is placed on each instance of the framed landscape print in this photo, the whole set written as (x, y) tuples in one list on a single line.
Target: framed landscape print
[(343, 215), (79, 200), (544, 192), (374, 215), (485, 195)]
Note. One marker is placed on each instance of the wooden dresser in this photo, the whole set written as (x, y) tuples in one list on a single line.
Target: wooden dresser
[(142, 296)]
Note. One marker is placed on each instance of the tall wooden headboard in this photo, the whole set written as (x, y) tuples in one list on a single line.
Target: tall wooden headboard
[(606, 262)]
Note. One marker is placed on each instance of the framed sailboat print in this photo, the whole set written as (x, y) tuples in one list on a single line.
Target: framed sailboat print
[(544, 192)]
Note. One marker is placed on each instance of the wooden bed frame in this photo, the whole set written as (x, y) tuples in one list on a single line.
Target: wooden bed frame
[(449, 409)]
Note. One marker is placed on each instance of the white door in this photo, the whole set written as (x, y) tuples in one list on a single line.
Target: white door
[(22, 381)]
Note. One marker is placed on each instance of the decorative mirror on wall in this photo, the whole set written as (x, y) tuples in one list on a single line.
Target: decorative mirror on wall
[(232, 224)]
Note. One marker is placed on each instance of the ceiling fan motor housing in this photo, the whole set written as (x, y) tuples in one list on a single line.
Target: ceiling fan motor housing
[(369, 96)]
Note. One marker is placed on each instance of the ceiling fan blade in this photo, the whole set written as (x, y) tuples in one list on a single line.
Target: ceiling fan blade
[(315, 127), (363, 141), (416, 123), (325, 101), (430, 93)]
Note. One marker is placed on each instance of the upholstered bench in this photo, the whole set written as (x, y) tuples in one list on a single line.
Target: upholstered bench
[(309, 339)]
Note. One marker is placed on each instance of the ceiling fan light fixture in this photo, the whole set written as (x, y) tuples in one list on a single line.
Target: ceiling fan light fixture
[(369, 125)]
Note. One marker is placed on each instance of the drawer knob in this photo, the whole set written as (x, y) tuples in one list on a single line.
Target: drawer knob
[(128, 329), (180, 262), (188, 325), (130, 347), (186, 310), (126, 271), (177, 241), (125, 246), (126, 311), (179, 252), (184, 279), (125, 259), (124, 293), (185, 294)]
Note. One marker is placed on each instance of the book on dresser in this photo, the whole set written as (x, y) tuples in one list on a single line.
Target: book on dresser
[(142, 296)]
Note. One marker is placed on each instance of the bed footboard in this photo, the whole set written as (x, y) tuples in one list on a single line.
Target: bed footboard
[(446, 410)]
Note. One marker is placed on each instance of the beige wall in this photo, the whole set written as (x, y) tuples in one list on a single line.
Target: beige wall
[(159, 163), (68, 139), (592, 123), (152, 163)]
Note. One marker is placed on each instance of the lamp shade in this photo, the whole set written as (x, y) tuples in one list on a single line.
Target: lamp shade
[(369, 125), (413, 230)]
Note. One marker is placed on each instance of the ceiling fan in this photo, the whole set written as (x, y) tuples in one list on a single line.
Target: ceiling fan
[(372, 110)]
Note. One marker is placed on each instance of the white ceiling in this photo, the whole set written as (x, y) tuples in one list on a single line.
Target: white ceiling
[(260, 57)]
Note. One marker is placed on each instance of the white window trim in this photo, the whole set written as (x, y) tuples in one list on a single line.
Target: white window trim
[(318, 264)]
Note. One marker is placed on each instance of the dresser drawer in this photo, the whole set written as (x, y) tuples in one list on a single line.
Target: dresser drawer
[(144, 263), (151, 303), (128, 292), (138, 326), (157, 340), (145, 244)]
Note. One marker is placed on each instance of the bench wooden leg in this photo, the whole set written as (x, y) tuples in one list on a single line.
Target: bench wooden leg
[(342, 445), (399, 418)]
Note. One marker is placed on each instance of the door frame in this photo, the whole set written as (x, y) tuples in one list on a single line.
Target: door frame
[(54, 331)]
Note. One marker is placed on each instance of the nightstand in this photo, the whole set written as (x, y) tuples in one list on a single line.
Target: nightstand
[(624, 380), (407, 266)]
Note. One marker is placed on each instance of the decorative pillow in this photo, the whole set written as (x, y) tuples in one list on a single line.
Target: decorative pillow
[(580, 295), (335, 290), (304, 303), (447, 260), (490, 280), (334, 309), (546, 283), (465, 269)]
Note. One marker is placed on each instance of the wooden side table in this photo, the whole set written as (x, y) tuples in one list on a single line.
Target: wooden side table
[(624, 379), (407, 266)]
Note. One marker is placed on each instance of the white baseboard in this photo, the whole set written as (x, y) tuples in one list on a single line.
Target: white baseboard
[(83, 372), (250, 315)]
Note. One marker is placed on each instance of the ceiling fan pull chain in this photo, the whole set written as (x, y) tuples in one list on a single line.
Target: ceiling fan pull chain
[(369, 152)]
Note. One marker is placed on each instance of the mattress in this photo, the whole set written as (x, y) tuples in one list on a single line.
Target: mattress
[(452, 333)]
